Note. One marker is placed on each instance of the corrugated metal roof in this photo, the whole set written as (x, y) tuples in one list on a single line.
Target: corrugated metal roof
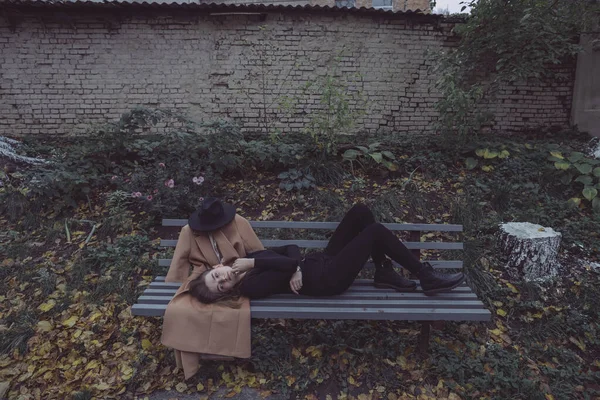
[(193, 4)]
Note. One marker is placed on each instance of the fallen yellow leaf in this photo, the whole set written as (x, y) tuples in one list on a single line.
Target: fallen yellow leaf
[(146, 344), (47, 306), (102, 386), (95, 316), (200, 387), (512, 287), (557, 155), (296, 353), (71, 321), (181, 387), (577, 343), (126, 372), (501, 312), (45, 326), (92, 364)]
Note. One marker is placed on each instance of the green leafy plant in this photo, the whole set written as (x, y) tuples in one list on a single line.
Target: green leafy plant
[(295, 179), (461, 116), (334, 116), (361, 154), (486, 155), (502, 42), (576, 170), (273, 154)]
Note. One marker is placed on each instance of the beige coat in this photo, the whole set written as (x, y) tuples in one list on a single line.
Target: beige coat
[(195, 328)]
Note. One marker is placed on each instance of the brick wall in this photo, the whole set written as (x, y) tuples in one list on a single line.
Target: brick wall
[(422, 5), (61, 71)]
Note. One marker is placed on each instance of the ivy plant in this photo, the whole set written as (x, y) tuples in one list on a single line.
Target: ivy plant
[(580, 171), (372, 152)]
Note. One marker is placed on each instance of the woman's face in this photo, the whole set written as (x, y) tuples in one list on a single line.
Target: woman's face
[(221, 279)]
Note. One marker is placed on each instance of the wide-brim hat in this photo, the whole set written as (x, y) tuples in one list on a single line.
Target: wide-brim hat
[(212, 215)]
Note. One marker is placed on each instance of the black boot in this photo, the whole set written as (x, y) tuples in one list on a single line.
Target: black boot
[(434, 282), (386, 277)]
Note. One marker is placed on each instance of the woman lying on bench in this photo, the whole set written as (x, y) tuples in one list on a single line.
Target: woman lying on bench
[(327, 273)]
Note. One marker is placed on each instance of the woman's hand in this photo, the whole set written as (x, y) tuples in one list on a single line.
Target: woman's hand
[(242, 265), (296, 282)]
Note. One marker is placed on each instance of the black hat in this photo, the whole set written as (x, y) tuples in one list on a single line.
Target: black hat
[(212, 215)]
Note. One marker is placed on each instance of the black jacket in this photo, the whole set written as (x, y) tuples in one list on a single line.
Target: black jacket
[(273, 269)]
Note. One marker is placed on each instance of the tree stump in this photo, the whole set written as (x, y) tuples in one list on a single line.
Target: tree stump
[(595, 148), (531, 249)]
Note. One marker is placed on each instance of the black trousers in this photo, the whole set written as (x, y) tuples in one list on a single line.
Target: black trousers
[(357, 238)]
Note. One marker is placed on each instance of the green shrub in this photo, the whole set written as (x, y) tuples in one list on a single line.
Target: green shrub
[(294, 179), (372, 153), (581, 172)]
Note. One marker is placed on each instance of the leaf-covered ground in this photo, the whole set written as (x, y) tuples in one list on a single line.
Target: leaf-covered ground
[(66, 294)]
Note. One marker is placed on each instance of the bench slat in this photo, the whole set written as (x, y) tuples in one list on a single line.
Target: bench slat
[(175, 285), (352, 289), (333, 225), (440, 264), (405, 314), (391, 296), (410, 314), (321, 244), (334, 302)]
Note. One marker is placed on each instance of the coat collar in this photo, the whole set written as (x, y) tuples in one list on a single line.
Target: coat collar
[(225, 247)]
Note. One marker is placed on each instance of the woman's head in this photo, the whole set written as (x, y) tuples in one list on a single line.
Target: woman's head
[(214, 285)]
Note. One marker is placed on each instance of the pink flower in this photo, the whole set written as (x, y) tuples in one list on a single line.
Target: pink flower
[(155, 191), (200, 198), (136, 194), (170, 183), (149, 197), (198, 180), (162, 165), (113, 178)]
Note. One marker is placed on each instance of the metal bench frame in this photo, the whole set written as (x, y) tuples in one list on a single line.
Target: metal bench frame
[(361, 301)]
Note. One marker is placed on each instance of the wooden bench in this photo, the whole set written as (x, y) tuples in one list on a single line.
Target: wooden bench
[(361, 301)]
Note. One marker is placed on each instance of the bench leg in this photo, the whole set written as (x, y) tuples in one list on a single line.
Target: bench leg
[(423, 344), (178, 362)]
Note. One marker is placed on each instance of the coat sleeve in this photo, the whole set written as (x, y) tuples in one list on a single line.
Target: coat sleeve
[(280, 263), (284, 258), (179, 270), (290, 250), (263, 283), (249, 238)]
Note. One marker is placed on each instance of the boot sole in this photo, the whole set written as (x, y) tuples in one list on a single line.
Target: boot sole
[(444, 290), (396, 288)]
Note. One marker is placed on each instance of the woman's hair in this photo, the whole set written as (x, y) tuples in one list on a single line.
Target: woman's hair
[(200, 291)]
